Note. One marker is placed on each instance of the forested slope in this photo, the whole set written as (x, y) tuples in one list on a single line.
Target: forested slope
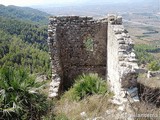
[(23, 39), (24, 13)]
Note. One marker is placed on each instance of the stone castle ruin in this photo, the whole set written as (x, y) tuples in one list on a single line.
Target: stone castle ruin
[(84, 45)]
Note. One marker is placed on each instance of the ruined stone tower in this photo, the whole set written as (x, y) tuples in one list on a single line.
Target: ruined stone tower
[(83, 45)]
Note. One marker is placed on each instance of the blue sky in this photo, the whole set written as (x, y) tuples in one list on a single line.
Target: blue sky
[(42, 2)]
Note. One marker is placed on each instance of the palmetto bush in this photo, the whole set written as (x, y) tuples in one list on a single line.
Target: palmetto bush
[(18, 96), (87, 84)]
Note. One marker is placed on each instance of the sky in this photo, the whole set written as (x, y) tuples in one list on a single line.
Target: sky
[(42, 2)]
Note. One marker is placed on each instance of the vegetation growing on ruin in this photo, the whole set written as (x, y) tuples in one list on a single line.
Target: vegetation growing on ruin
[(89, 43), (88, 94), (85, 85)]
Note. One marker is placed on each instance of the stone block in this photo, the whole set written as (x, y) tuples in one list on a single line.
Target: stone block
[(121, 42), (54, 84), (119, 20), (52, 95), (132, 92)]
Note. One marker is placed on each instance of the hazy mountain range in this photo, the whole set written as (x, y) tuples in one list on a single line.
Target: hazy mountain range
[(101, 8), (62, 3)]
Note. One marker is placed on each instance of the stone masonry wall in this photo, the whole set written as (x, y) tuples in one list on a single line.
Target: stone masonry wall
[(77, 45), (121, 61), (82, 45)]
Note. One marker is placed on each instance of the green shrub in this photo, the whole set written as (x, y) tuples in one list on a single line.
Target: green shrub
[(142, 52), (89, 44), (153, 66), (18, 96), (87, 85)]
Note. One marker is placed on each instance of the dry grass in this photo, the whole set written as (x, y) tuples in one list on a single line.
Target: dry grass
[(153, 82), (97, 105), (93, 106), (145, 111)]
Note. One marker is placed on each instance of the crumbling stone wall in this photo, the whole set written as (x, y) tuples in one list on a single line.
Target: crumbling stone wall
[(77, 45), (121, 61), (82, 45)]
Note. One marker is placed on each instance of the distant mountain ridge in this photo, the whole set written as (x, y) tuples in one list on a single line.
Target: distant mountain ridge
[(102, 8), (24, 13)]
